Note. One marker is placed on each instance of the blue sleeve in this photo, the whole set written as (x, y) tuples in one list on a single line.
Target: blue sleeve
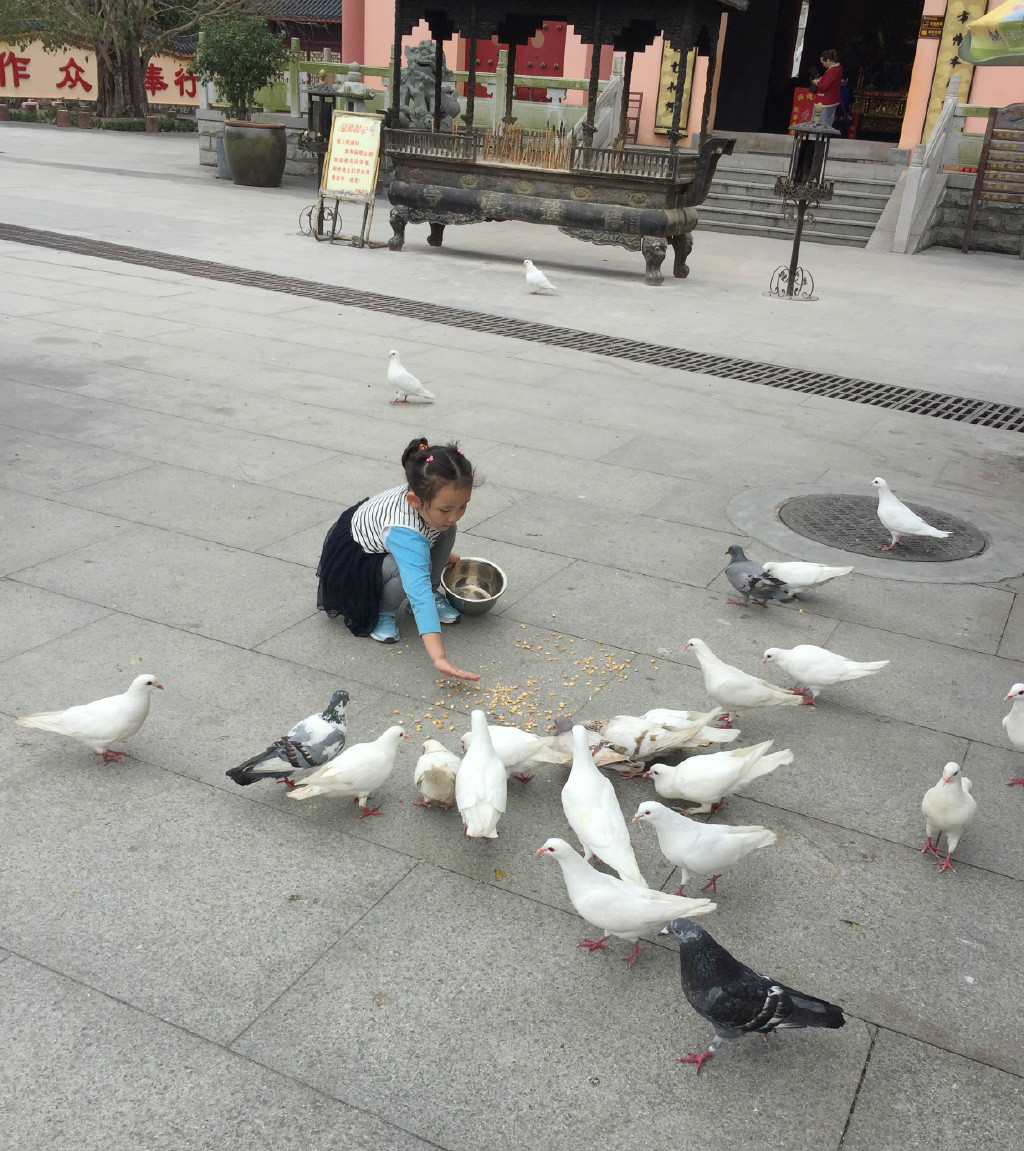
[(412, 554)]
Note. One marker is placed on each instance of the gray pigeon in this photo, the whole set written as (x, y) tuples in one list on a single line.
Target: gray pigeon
[(750, 579), (736, 1000), (311, 743)]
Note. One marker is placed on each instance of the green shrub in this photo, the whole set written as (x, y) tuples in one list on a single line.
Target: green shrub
[(25, 115), (240, 55), (121, 124), (178, 124)]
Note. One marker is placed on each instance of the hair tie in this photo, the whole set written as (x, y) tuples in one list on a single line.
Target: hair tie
[(430, 459), (424, 445), (460, 451)]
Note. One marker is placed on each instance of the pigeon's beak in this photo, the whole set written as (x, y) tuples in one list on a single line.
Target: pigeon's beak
[(635, 818), (540, 850), (947, 780), (1009, 695), (645, 775), (764, 661), (664, 931), (159, 685)]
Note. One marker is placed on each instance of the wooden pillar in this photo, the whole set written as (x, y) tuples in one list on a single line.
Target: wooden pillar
[(627, 76), (595, 76), (471, 82), (438, 69), (396, 67), (709, 86), (510, 86)]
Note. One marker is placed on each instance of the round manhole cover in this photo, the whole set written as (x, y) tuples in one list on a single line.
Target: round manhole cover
[(851, 523)]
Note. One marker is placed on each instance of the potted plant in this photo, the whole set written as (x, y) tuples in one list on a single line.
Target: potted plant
[(240, 55)]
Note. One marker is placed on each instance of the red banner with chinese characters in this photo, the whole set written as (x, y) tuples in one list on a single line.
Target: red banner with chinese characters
[(803, 106), (31, 73)]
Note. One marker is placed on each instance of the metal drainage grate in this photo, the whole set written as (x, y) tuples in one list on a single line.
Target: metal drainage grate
[(937, 404), (851, 523)]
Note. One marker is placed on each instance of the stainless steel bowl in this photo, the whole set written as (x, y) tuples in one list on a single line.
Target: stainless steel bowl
[(473, 585)]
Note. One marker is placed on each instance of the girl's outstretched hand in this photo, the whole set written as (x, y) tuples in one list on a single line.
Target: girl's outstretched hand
[(446, 667)]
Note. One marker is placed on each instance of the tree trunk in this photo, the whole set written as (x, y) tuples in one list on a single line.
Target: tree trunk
[(120, 71)]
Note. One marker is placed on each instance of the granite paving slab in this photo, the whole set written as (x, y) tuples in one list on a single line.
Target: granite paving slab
[(36, 529), (214, 508), (912, 1088), (570, 526), (221, 451), (658, 613), (31, 616), (193, 584), (182, 1092), (177, 898), (530, 1018), (51, 412), (46, 465)]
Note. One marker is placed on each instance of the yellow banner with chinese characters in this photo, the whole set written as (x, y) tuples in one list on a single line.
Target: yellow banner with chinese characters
[(948, 63), (31, 73), (667, 88)]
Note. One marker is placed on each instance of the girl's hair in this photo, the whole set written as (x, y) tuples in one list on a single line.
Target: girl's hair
[(830, 54), (428, 468)]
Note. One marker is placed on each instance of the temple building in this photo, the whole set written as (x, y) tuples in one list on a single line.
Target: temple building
[(898, 57)]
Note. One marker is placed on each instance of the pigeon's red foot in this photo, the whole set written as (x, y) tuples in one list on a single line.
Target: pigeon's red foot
[(717, 807), (945, 865), (113, 756), (289, 784), (929, 848), (370, 811), (889, 547), (400, 400), (422, 803), (725, 722), (446, 806), (693, 1057), (713, 883), (1016, 783), (736, 602), (632, 957), (809, 700), (633, 773), (680, 890), (593, 945), (523, 778), (761, 602)]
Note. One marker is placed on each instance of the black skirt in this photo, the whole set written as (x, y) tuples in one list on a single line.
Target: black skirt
[(350, 579)]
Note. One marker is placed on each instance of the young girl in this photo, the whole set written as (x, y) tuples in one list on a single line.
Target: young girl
[(395, 546)]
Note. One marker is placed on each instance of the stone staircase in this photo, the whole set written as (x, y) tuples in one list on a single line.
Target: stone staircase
[(742, 200)]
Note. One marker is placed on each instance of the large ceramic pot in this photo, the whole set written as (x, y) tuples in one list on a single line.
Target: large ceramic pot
[(256, 152)]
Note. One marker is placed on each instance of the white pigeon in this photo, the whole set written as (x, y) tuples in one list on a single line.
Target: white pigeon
[(359, 770), (615, 907), (641, 738), (593, 812), (405, 383), (435, 774), (481, 787), (707, 848), (1013, 724), (816, 667), (948, 808), (676, 720), (798, 576), (899, 519), (519, 749), (708, 779), (102, 722), (732, 688), (537, 282)]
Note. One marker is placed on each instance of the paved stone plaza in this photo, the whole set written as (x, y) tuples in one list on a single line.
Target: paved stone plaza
[(187, 964)]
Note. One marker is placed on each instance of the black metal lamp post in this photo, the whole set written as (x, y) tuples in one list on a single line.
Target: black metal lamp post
[(323, 99), (804, 187)]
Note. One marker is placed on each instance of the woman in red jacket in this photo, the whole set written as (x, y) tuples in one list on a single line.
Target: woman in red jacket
[(826, 87)]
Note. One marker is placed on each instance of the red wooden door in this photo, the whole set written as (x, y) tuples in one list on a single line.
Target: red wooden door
[(543, 55)]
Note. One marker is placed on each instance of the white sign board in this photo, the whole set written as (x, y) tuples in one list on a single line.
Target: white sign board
[(352, 160)]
